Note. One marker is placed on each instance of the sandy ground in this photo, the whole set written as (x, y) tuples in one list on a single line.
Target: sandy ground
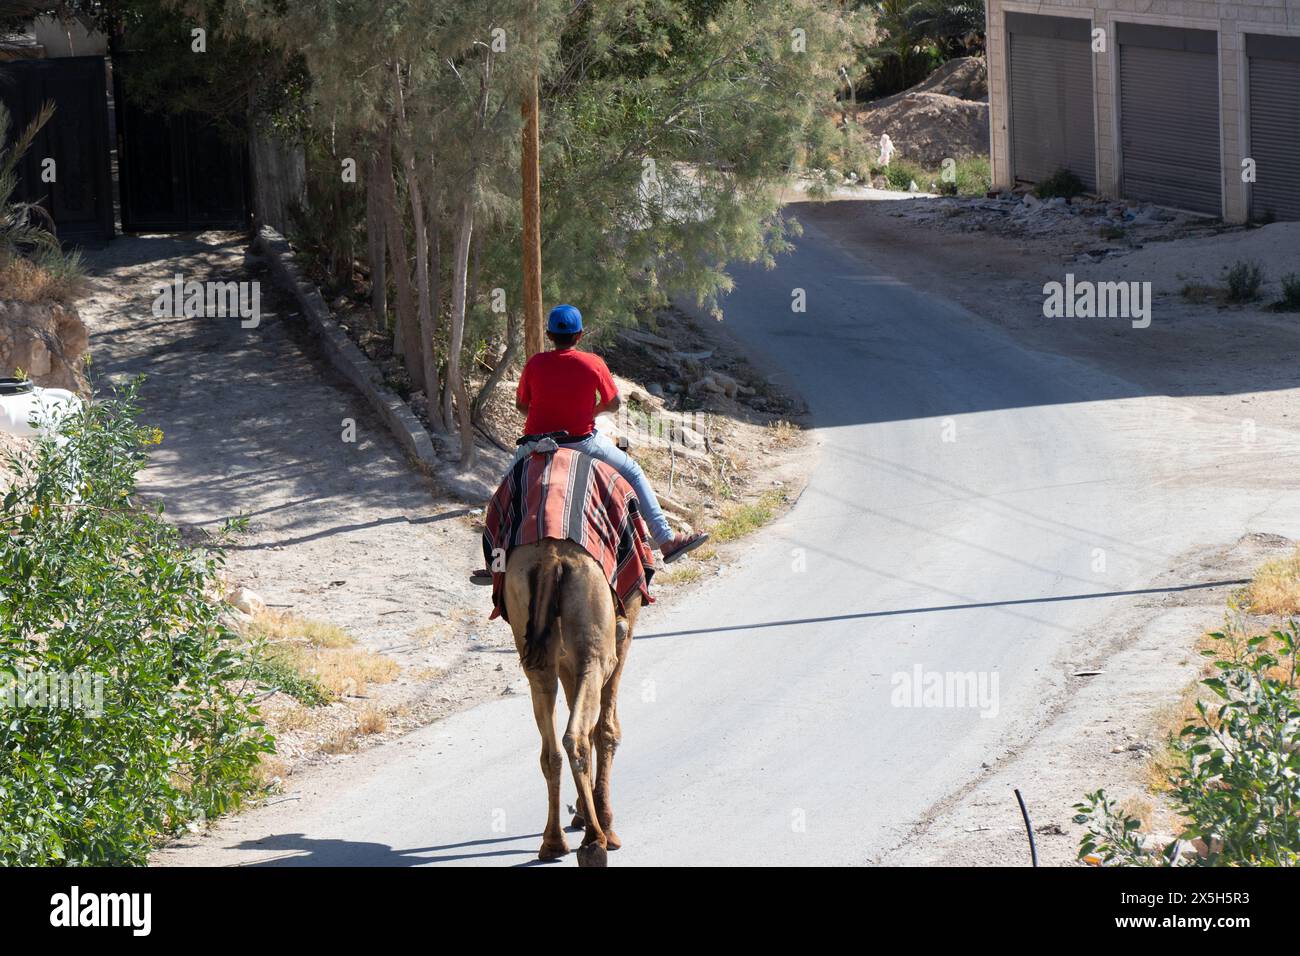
[(342, 532)]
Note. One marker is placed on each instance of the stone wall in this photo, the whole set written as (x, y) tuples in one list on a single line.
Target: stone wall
[(48, 342)]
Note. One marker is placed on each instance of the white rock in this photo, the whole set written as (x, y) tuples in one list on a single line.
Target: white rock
[(248, 601)]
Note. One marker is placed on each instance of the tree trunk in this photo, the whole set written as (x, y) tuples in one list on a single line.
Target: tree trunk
[(406, 339), (415, 193), (532, 216), (514, 339), (459, 282), (375, 243), (435, 294)]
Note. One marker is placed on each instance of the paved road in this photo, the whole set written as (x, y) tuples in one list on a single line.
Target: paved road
[(976, 508)]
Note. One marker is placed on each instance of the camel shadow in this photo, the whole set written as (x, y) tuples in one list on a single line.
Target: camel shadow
[(300, 850)]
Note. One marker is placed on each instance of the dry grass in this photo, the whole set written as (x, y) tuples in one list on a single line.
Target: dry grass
[(1139, 808), (321, 652), (783, 434), (341, 742), (372, 721), (1276, 587), (1200, 294), (740, 520), (25, 281), (343, 672), (680, 574), (292, 717), (270, 770), (279, 627)]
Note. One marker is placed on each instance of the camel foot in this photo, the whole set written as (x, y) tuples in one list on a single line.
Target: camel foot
[(553, 851), (612, 842), (592, 854)]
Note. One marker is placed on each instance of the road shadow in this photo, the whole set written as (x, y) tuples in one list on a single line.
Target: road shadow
[(873, 345), (1013, 602)]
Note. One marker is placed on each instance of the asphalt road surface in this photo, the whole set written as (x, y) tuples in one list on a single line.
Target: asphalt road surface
[(976, 508)]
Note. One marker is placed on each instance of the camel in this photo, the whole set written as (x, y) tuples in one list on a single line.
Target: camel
[(566, 627)]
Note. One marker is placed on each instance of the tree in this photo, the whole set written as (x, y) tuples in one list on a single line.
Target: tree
[(668, 127)]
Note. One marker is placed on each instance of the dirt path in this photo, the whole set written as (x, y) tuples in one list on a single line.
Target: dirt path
[(253, 420)]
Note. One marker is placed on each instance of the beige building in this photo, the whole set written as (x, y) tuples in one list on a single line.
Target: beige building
[(1187, 103)]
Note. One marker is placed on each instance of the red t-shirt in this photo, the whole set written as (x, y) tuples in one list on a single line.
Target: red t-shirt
[(560, 388)]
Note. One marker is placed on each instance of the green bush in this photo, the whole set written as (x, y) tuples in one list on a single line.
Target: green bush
[(1244, 280), (1290, 301), (94, 586), (901, 173), (1061, 184), (974, 177), (1238, 780)]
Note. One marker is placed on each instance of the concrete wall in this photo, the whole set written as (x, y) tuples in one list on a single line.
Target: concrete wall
[(1231, 19)]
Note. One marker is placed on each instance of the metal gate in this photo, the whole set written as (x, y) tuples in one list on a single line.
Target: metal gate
[(1050, 83), (1274, 125), (177, 171), (1169, 117), (80, 196)]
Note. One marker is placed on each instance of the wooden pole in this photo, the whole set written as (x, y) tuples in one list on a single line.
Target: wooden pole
[(532, 240)]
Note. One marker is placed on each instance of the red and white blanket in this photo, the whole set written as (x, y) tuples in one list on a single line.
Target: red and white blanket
[(568, 495)]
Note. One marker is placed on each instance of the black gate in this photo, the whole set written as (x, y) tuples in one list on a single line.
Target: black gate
[(80, 198), (177, 171)]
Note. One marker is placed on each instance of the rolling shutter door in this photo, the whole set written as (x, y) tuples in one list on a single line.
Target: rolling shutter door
[(1050, 84), (1169, 117), (1274, 126)]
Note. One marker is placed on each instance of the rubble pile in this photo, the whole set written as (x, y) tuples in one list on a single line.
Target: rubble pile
[(1105, 226)]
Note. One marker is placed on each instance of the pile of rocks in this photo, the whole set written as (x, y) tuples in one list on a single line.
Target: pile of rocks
[(685, 371), (1121, 225)]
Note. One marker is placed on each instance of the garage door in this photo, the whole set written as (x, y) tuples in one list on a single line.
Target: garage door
[(1050, 80), (1169, 117), (1274, 125)]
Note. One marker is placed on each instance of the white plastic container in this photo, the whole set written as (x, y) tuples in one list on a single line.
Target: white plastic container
[(23, 403)]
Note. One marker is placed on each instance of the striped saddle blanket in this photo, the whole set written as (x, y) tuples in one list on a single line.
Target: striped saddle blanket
[(565, 494)]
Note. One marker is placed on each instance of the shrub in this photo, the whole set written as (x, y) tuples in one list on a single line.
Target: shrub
[(1290, 301), (1244, 280), (901, 173), (95, 586), (1237, 783), (1200, 293), (1062, 183), (49, 276), (974, 178)]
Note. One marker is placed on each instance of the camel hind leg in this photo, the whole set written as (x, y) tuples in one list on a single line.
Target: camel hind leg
[(577, 741), (543, 687), (521, 576), (608, 732)]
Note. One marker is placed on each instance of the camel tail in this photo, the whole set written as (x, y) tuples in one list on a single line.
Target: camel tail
[(544, 583)]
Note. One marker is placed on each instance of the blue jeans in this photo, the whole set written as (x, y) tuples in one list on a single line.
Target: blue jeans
[(602, 449)]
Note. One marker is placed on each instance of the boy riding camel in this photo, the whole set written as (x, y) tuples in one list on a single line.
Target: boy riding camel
[(563, 390)]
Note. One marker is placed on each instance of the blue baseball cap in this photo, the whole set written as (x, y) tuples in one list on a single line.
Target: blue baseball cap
[(564, 320)]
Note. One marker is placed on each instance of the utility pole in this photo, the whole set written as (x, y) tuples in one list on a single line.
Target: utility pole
[(532, 202)]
